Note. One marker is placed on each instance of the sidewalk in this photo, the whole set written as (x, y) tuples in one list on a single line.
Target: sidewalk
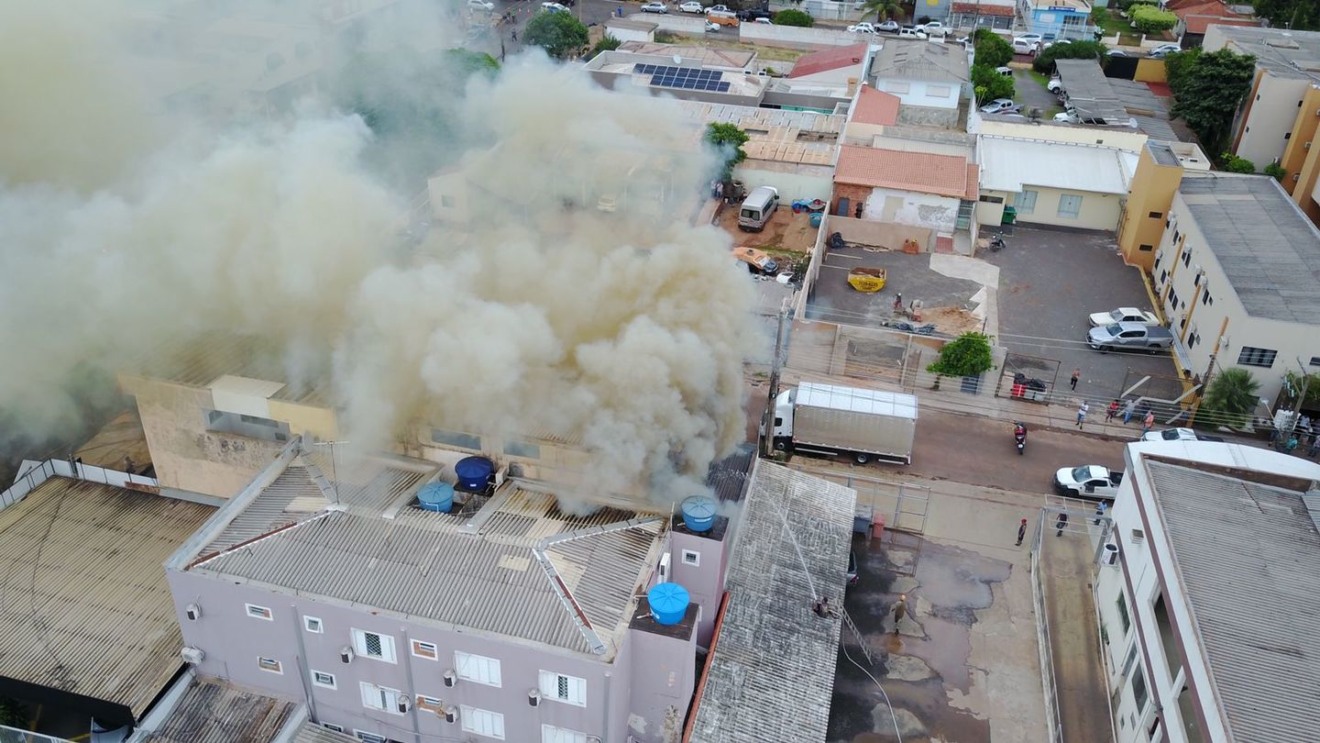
[(1049, 416)]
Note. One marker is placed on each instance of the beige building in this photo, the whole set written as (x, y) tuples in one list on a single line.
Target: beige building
[(1235, 276), (1159, 171), (1051, 183)]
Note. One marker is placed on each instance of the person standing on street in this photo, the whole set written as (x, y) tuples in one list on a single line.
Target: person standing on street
[(900, 611), (1061, 523), (1022, 532), (898, 302), (1081, 413), (1100, 512), (1111, 412), (1076, 375), (1148, 422)]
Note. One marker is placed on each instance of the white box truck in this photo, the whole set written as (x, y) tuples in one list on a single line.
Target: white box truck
[(862, 424)]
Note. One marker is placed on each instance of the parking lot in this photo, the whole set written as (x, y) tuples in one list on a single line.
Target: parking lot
[(833, 300), (1049, 281)]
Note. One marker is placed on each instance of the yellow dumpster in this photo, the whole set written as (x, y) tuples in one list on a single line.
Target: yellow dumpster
[(867, 280)]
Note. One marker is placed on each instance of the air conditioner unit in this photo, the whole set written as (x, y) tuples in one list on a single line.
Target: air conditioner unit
[(193, 655), (346, 654), (664, 568), (534, 697), (1306, 146), (194, 612), (404, 705), (451, 714), (1110, 555), (450, 677)]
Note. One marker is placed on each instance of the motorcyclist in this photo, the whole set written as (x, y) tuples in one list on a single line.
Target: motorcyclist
[(1019, 429)]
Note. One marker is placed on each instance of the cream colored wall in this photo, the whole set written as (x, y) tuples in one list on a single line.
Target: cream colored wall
[(1123, 139), (1098, 211), (938, 213), (1153, 187), (1270, 117), (1290, 340), (186, 456), (862, 135)]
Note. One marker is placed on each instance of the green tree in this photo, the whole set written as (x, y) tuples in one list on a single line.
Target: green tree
[(1294, 384), (1044, 61), (965, 356), (1234, 164), (607, 43), (560, 34), (989, 84), (794, 17), (728, 140), (1152, 20), (1276, 171), (1177, 65), (991, 49), (1298, 14), (883, 9), (1207, 92), (1230, 398)]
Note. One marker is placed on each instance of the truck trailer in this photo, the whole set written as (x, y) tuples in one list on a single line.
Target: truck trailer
[(861, 424)]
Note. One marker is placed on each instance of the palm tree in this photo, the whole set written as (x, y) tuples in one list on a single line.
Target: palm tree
[(883, 9), (1232, 396)]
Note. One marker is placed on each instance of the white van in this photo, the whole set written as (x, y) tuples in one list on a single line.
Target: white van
[(757, 208)]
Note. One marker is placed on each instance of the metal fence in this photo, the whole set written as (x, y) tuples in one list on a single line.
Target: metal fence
[(14, 735), (35, 473)]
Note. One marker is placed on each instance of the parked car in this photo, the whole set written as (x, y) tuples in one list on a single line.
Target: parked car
[(1055, 42), (1005, 71), (1123, 314), (1024, 46), (1117, 53), (1163, 50), (861, 28), (1000, 106), (1089, 481), (757, 261), (655, 8), (1055, 85), (480, 5), (752, 15), (718, 9), (554, 8), (887, 27), (1177, 434), (934, 28), (692, 6), (1130, 336), (764, 21), (1030, 38), (911, 32)]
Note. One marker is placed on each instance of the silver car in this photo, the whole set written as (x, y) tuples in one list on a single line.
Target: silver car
[(655, 8)]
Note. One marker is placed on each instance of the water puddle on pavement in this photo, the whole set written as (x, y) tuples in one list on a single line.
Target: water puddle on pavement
[(927, 660)]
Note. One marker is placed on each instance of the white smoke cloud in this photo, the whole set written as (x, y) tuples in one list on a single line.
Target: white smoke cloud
[(624, 329)]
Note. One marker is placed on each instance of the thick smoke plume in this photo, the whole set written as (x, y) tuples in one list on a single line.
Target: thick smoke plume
[(570, 295)]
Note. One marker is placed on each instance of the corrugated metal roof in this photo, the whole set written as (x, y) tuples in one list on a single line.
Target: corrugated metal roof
[(311, 732), (199, 361), (772, 673), (1269, 250), (420, 564), (216, 712), (1011, 164), (1239, 544), (86, 607), (904, 59), (856, 400)]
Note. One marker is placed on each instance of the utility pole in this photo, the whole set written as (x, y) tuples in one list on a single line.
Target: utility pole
[(334, 471), (1209, 371), (1301, 394), (768, 418)]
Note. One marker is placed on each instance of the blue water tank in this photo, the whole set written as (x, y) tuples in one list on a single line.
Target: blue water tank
[(474, 474), (699, 513), (669, 602), (436, 496)]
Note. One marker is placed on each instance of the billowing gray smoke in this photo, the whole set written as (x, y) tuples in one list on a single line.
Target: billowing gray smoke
[(573, 298)]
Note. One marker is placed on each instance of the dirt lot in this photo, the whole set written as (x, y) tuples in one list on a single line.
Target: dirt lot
[(786, 233)]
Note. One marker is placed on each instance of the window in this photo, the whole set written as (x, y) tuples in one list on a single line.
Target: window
[(1026, 201), (454, 438), (380, 698), (312, 624), (1156, 215), (482, 722), (897, 87), (366, 737), (1315, 361), (1123, 614), (1145, 248), (251, 426), (431, 704), (552, 734), (321, 678), (1139, 695), (561, 688), (992, 199), (1164, 276), (523, 449), (938, 91), (964, 220), (270, 665), (332, 726), (259, 612), (1187, 259), (426, 650), (1256, 357), (1070, 206), (692, 557), (1206, 299), (374, 645), (1131, 659), (477, 668), (1173, 299)]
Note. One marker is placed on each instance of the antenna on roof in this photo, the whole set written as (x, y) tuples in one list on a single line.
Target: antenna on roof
[(334, 473)]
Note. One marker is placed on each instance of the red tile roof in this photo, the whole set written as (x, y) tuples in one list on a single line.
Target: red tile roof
[(976, 8), (876, 107), (829, 59), (924, 172), (1198, 14)]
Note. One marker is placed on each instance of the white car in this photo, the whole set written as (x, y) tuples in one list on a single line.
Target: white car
[(480, 5), (1056, 42), (1088, 481), (1123, 314), (1177, 434), (1164, 50), (1024, 46), (911, 32), (553, 8), (1000, 106), (888, 27), (692, 7), (861, 28), (718, 9), (1054, 85), (934, 28), (1030, 38), (655, 8)]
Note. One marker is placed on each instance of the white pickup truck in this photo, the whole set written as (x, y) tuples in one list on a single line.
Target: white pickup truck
[(1088, 481), (862, 28), (1124, 314)]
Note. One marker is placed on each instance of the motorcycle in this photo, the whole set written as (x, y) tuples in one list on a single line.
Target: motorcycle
[(997, 243), (1020, 437)]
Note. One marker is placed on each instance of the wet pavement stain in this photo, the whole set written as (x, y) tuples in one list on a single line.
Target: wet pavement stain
[(927, 660)]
